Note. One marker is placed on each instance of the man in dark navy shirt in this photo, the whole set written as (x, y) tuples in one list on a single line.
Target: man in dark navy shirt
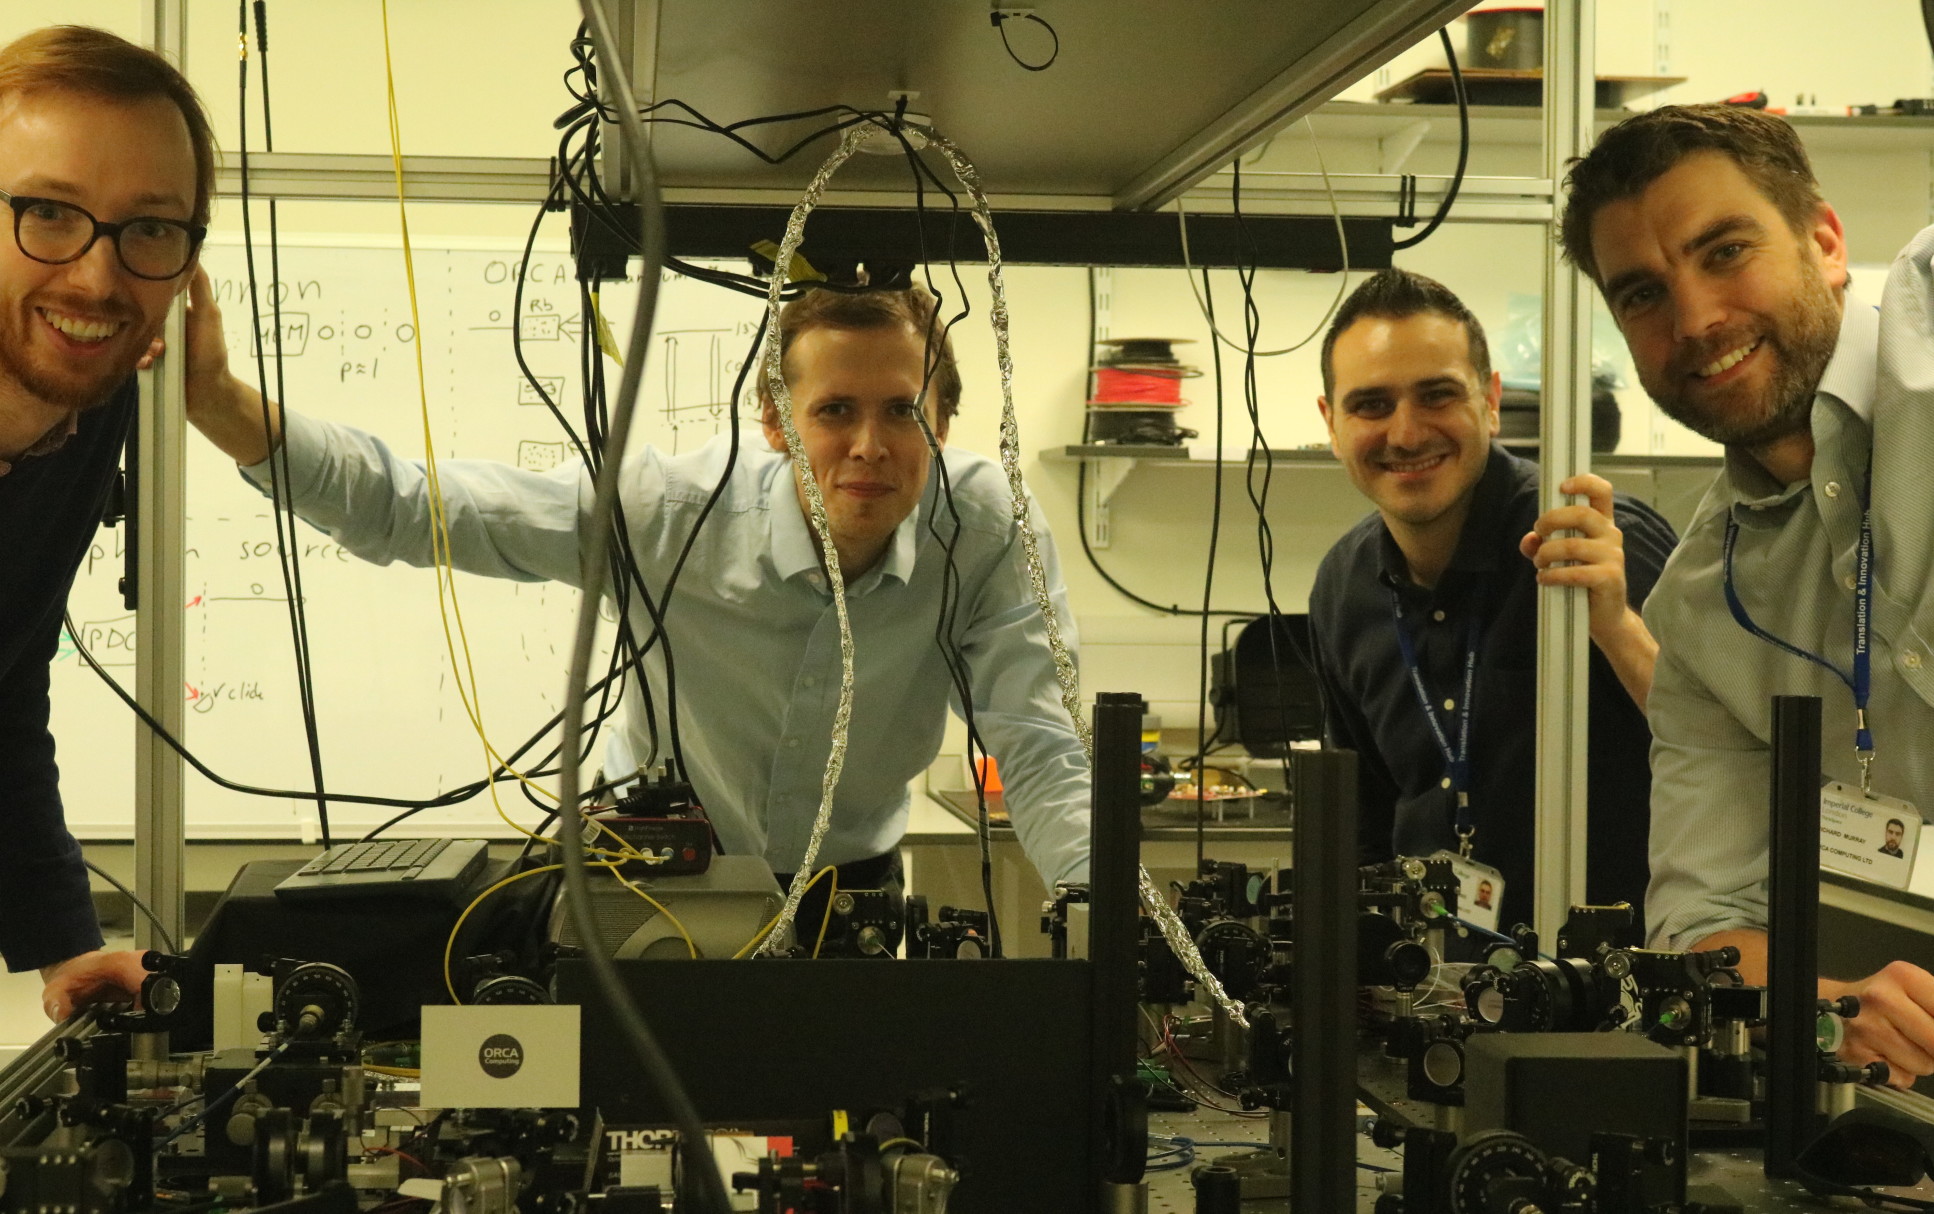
[(106, 169), (1424, 616)]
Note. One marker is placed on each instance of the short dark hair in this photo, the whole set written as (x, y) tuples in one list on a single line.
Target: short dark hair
[(1395, 294), (81, 59), (876, 309), (1897, 822), (1645, 147)]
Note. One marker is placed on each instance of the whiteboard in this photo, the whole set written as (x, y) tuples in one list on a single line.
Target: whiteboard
[(389, 713)]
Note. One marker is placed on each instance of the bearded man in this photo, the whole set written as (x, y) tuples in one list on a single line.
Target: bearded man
[(1727, 273), (107, 165)]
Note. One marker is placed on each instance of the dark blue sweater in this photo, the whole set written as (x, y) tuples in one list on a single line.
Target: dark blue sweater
[(50, 506), (1372, 707)]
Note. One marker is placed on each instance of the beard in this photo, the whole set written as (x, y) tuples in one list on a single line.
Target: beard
[(45, 378), (1800, 337)]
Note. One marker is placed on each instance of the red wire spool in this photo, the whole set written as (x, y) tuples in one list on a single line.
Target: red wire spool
[(1138, 387)]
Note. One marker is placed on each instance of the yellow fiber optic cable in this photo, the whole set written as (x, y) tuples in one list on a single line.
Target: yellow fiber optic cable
[(456, 644), (449, 946), (826, 919), (760, 937)]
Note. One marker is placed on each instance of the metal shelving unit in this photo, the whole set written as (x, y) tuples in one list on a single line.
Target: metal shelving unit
[(1109, 467), (1090, 136)]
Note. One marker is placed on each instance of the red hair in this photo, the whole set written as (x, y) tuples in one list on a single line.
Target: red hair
[(81, 59)]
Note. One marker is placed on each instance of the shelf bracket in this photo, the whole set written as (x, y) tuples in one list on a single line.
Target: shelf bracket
[(1104, 477)]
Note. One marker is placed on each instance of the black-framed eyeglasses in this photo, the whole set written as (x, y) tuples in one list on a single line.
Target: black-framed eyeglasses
[(149, 246)]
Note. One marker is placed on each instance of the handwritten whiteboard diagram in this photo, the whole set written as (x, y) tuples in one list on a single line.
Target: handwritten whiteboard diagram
[(390, 718)]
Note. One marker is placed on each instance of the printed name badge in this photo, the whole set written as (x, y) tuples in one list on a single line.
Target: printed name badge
[(1868, 836), (1480, 890)]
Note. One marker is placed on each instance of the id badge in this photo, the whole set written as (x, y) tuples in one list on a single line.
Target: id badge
[(1480, 890), (1868, 836)]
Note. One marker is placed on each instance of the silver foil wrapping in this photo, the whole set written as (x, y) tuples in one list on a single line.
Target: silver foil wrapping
[(816, 511), (1171, 926)]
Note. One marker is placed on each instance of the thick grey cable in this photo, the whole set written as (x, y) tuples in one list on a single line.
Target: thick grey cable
[(631, 1022)]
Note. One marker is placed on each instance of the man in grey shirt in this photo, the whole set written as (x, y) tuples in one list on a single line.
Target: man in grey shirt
[(1727, 272)]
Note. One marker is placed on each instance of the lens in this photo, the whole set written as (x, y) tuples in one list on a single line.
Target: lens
[(53, 231), (1443, 1064), (153, 248)]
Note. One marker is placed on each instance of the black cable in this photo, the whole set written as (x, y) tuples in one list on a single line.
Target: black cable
[(630, 1023), (161, 933), (1463, 146), (922, 172), (454, 797), (947, 624), (594, 406), (581, 122), (626, 647), (1208, 586), (1001, 19), (628, 577), (1081, 519), (306, 685), (1259, 446), (282, 505)]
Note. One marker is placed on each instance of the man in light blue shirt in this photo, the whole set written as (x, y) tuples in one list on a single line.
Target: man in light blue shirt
[(1727, 273), (752, 624)]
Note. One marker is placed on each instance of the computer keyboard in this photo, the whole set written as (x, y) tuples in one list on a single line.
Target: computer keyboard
[(439, 869)]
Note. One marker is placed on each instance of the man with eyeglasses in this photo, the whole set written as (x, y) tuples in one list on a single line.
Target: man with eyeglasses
[(106, 169)]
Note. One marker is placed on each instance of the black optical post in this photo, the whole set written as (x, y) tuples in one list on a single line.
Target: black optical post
[(1793, 909), (1114, 936), (1322, 1165)]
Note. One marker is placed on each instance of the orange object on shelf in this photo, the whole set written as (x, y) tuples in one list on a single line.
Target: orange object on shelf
[(990, 774)]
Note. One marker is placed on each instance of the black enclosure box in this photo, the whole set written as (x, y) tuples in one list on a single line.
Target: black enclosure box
[(392, 947), (1266, 696), (1558, 1089), (758, 1041)]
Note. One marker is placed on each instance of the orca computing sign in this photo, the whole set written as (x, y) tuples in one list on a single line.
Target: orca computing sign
[(501, 1056)]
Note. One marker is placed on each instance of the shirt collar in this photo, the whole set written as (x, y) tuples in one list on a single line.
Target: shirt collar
[(1849, 379), (796, 552)]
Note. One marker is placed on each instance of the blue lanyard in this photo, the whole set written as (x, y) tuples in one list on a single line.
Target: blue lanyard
[(1860, 682), (1457, 762)]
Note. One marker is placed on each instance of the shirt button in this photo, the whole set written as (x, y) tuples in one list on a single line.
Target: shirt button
[(809, 681), (1445, 783), (792, 743), (1833, 488), (1438, 616), (1449, 705), (1853, 582), (1911, 660)]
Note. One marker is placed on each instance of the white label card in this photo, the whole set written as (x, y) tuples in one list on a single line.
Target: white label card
[(1480, 890), (501, 1056), (1868, 836)]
